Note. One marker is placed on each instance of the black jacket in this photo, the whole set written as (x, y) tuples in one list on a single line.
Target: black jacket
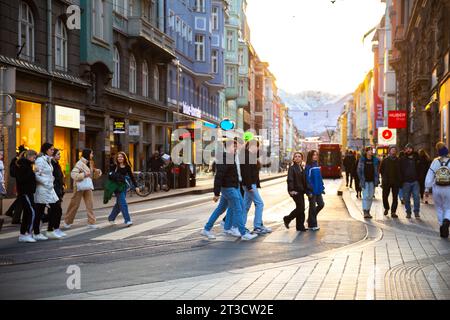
[(349, 163), (390, 172), (424, 166), (25, 177), (155, 164), (119, 175), (58, 184), (409, 169), (249, 172), (296, 180), (226, 175)]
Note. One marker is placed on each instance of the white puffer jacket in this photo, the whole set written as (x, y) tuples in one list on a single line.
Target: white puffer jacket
[(45, 193)]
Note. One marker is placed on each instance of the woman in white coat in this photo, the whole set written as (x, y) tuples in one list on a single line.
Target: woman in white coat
[(45, 193), (438, 179)]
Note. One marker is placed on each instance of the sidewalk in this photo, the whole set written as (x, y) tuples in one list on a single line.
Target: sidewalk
[(398, 259), (204, 185)]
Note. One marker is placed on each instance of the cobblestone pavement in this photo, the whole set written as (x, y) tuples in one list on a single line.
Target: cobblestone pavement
[(398, 259)]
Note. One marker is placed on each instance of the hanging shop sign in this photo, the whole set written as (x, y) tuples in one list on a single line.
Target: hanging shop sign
[(387, 136), (191, 110), (119, 127), (398, 119), (67, 117), (134, 131)]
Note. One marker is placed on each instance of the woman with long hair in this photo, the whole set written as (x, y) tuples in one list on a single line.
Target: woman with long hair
[(424, 166), (59, 186), (316, 189), (83, 173), (297, 189), (251, 183), (121, 172), (368, 173)]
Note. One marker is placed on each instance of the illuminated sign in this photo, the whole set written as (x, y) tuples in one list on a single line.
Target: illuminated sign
[(119, 127), (67, 117)]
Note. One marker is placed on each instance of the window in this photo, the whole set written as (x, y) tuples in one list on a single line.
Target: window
[(98, 18), (145, 79), (149, 11), (200, 47), (230, 40), (178, 27), (200, 6), (60, 46), (121, 7), (184, 33), (156, 83), (215, 61), (26, 32), (171, 20), (215, 18), (131, 8), (241, 57), (116, 75), (132, 75), (241, 88), (446, 62), (230, 77), (190, 35)]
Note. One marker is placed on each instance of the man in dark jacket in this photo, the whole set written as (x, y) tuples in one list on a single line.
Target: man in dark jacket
[(349, 164), (409, 176), (16, 208), (390, 174)]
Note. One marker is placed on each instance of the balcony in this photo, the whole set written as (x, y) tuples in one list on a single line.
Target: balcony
[(399, 37), (141, 28)]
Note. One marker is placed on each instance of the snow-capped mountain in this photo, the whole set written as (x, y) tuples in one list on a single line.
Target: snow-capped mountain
[(314, 111)]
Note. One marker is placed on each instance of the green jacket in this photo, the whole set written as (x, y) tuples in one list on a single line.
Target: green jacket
[(112, 187)]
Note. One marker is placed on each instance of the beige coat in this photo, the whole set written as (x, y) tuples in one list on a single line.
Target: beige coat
[(81, 169)]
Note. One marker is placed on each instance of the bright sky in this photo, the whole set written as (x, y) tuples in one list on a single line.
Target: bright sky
[(314, 44)]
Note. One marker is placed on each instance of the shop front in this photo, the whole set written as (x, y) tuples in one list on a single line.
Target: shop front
[(28, 125), (67, 126), (444, 105)]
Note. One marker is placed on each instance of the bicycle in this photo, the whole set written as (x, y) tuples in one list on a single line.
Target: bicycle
[(142, 183)]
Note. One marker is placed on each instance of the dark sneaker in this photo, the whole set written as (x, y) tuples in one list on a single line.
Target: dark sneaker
[(417, 215), (286, 222), (394, 215), (386, 212), (302, 230), (445, 229), (1, 224), (408, 216), (367, 215)]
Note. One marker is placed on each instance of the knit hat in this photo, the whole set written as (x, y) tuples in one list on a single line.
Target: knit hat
[(410, 146)]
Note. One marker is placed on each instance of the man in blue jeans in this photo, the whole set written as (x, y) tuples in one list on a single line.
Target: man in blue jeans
[(226, 183), (409, 165)]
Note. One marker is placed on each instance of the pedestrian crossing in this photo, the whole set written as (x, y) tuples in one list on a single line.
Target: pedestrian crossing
[(131, 231)]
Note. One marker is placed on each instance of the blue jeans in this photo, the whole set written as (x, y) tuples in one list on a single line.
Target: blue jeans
[(254, 197), (316, 204), (368, 193), (221, 208), (414, 189), (121, 206), (236, 209)]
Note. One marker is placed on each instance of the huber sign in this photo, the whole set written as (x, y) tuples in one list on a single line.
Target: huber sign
[(398, 119)]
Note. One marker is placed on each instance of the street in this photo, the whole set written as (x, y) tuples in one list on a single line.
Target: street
[(164, 245)]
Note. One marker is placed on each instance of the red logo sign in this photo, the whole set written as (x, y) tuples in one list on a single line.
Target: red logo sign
[(397, 119), (387, 134)]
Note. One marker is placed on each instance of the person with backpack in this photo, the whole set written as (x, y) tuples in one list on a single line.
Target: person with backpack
[(390, 174), (26, 187), (316, 189), (438, 180), (83, 173), (121, 173), (409, 176), (45, 195), (369, 179), (297, 188)]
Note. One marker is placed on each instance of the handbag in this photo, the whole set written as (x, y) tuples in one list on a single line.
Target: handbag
[(85, 185)]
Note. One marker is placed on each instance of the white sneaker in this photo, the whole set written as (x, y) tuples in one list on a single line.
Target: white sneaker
[(315, 229), (248, 236), (235, 232), (112, 223), (52, 235), (92, 226), (60, 233), (40, 237), (208, 234), (129, 223), (67, 226), (222, 224), (26, 238)]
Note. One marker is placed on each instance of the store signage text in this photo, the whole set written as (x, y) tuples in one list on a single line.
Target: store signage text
[(397, 119), (67, 117), (191, 110), (119, 127)]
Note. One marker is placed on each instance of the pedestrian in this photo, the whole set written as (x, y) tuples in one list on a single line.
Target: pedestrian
[(438, 180), (355, 175), (390, 174), (227, 188), (26, 187), (424, 166), (15, 209), (409, 175), (83, 173), (348, 166), (297, 188), (59, 187), (156, 165), (45, 195), (401, 154), (2, 177), (316, 189), (369, 179), (251, 183), (121, 172)]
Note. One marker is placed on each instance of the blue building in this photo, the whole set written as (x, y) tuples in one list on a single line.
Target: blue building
[(197, 27)]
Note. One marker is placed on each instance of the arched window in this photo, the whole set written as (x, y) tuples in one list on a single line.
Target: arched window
[(145, 79), (132, 75), (60, 46), (26, 32), (116, 75), (98, 18), (156, 83)]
